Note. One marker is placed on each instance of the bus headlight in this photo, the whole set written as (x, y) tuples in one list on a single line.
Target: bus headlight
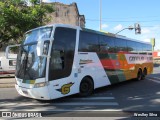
[(42, 84)]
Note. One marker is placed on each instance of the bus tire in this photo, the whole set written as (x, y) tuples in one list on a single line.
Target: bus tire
[(86, 87), (139, 75), (144, 74)]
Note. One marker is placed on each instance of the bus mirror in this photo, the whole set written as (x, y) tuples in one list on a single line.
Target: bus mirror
[(45, 48), (42, 47), (10, 51)]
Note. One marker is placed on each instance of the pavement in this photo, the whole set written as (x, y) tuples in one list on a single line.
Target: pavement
[(7, 81)]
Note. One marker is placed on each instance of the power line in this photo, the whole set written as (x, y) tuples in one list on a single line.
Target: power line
[(134, 17), (151, 26), (122, 20)]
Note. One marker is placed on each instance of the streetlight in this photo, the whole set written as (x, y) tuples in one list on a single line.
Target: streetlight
[(137, 28), (129, 28)]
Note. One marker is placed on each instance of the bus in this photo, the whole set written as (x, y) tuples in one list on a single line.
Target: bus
[(59, 60), (7, 66)]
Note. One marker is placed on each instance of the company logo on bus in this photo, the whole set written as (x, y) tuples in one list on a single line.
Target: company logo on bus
[(65, 89), (136, 59), (85, 61)]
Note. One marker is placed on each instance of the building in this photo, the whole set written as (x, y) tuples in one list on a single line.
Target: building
[(66, 14)]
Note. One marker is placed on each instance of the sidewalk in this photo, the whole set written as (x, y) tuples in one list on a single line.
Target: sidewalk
[(7, 82)]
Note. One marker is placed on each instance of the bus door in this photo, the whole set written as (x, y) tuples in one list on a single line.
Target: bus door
[(61, 79)]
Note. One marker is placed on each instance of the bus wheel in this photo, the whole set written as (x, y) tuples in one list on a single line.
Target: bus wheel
[(139, 74), (86, 87), (144, 73)]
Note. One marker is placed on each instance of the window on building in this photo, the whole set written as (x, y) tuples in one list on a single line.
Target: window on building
[(56, 14)]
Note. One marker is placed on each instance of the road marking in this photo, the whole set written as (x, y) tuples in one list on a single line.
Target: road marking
[(65, 110), (77, 102), (60, 104), (89, 103), (157, 81), (74, 105), (157, 78), (94, 98)]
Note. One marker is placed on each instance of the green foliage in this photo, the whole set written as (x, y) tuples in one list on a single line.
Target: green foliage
[(16, 19)]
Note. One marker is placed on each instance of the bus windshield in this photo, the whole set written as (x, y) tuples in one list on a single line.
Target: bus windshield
[(29, 65), (37, 34)]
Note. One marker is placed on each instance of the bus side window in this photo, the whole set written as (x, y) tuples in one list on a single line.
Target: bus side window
[(108, 42), (131, 46), (62, 53), (139, 47), (88, 42), (57, 60), (121, 45), (12, 63)]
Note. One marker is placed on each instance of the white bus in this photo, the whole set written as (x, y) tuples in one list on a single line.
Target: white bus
[(7, 66), (60, 60)]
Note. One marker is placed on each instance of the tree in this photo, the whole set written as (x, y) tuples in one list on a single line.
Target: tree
[(17, 18)]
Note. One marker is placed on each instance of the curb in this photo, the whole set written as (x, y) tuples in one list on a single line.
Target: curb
[(7, 85), (7, 82)]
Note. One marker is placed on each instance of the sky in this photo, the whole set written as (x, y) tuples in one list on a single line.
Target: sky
[(119, 14)]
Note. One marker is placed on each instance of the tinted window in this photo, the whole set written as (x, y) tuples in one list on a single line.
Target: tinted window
[(144, 49), (121, 45), (12, 62), (62, 53), (149, 49), (107, 44), (88, 42), (139, 47), (131, 47)]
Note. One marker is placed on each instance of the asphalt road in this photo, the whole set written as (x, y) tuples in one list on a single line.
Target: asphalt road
[(121, 100)]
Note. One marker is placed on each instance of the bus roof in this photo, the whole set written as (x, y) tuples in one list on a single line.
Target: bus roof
[(90, 30), (56, 25)]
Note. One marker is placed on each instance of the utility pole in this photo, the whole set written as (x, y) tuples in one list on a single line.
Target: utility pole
[(100, 16), (152, 40)]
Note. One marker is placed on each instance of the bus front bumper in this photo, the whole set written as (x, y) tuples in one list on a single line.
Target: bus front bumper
[(40, 93)]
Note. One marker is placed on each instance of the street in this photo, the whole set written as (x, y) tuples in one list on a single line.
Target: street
[(116, 100)]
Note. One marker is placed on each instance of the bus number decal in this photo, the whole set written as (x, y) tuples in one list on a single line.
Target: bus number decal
[(65, 89)]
